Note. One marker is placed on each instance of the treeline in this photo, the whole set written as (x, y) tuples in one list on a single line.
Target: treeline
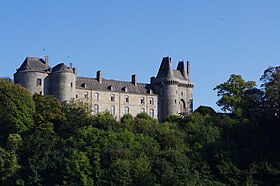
[(46, 142)]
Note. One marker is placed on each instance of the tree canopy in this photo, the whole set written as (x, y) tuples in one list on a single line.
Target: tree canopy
[(48, 142)]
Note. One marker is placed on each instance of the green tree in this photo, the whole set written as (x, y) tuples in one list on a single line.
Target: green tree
[(232, 94), (16, 109)]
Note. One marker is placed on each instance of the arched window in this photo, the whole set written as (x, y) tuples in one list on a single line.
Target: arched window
[(182, 105), (113, 110), (96, 96), (96, 109), (152, 113), (126, 110), (142, 110), (127, 98), (112, 97), (152, 102), (86, 95), (142, 100)]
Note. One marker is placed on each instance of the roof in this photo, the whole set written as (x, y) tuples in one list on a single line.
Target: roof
[(117, 86), (178, 74), (34, 64), (61, 67)]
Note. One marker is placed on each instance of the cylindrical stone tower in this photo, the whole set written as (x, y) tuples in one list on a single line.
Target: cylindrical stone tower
[(63, 82), (32, 74)]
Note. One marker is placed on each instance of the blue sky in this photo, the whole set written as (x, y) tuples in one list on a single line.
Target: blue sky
[(219, 37)]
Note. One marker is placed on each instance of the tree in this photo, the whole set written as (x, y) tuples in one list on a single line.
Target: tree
[(271, 86), (16, 109), (233, 93)]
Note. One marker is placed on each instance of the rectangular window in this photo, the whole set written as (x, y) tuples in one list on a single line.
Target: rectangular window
[(127, 99), (142, 100), (112, 97), (39, 82)]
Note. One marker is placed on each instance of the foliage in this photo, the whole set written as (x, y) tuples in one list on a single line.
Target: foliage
[(46, 142)]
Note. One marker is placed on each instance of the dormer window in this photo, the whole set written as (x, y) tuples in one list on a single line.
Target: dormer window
[(84, 85), (125, 89), (111, 87)]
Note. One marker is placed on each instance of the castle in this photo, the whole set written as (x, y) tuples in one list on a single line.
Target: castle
[(169, 93)]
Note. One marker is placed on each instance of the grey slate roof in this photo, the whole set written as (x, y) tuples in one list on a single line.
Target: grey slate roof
[(118, 86), (178, 74), (34, 64), (61, 67)]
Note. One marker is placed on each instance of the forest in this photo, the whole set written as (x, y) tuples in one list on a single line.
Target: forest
[(47, 142)]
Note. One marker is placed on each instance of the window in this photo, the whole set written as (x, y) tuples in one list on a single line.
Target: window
[(127, 99), (111, 87), (182, 93), (152, 102), (39, 82), (142, 110), (112, 97), (113, 110), (96, 109), (71, 84), (152, 113), (142, 100), (84, 85), (125, 89), (77, 96), (96, 96), (86, 95), (175, 101), (126, 110)]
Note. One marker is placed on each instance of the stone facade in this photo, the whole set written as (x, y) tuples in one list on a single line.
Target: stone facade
[(169, 93)]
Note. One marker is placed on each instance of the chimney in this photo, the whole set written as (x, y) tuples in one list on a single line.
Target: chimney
[(71, 67), (133, 80), (188, 69), (75, 70), (152, 79), (47, 60), (99, 76)]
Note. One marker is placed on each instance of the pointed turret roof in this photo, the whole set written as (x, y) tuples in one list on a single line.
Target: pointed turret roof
[(182, 69), (165, 69)]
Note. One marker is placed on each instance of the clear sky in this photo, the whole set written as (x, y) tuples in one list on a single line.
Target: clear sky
[(219, 37)]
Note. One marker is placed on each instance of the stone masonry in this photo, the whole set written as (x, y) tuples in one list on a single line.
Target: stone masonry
[(169, 93)]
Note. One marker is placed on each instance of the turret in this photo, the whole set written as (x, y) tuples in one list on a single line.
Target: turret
[(63, 82), (181, 68), (174, 88), (32, 74)]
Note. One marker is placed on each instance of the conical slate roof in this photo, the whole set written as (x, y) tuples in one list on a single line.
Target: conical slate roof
[(34, 64), (61, 67)]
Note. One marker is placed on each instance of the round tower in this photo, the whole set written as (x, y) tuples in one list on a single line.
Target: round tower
[(63, 82), (32, 74), (174, 88)]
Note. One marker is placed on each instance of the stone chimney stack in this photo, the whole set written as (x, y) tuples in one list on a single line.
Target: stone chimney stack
[(47, 60), (188, 69), (133, 80), (75, 70), (152, 79), (71, 67), (99, 76)]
